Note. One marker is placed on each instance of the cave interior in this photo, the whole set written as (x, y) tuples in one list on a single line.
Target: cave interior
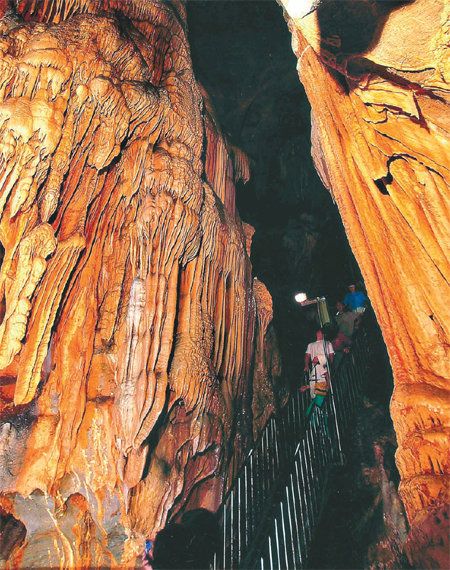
[(135, 379), (242, 55)]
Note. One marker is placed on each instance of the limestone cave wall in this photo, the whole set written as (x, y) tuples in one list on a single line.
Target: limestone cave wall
[(131, 325), (377, 77)]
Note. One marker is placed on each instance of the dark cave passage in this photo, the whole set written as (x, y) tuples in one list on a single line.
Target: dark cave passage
[(352, 533), (299, 243)]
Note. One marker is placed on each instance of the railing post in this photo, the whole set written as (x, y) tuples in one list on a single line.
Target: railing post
[(283, 477), (338, 431)]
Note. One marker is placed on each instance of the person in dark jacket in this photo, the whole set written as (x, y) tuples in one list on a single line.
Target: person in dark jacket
[(189, 545)]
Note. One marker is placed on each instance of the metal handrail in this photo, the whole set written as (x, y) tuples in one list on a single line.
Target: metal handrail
[(269, 514)]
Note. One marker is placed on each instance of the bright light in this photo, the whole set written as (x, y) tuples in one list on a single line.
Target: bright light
[(300, 8), (300, 297)]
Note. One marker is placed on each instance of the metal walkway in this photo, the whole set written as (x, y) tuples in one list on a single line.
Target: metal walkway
[(270, 513)]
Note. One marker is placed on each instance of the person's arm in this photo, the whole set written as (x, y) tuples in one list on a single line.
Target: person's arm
[(330, 351), (146, 561), (307, 359)]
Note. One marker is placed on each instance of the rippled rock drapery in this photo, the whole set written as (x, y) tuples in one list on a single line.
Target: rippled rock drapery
[(377, 75), (127, 339)]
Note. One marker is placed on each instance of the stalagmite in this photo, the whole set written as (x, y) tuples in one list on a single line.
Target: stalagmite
[(128, 333), (377, 77)]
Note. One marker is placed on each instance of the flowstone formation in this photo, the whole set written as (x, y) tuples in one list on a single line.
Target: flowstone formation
[(127, 338), (377, 75)]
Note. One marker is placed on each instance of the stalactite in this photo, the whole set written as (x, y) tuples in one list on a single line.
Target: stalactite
[(128, 336)]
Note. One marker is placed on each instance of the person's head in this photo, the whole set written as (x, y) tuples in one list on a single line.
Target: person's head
[(206, 535), (352, 288), (319, 334), (340, 306), (171, 549)]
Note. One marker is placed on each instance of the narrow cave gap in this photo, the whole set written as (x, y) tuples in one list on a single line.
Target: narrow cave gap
[(242, 55), (250, 73), (382, 183), (12, 533)]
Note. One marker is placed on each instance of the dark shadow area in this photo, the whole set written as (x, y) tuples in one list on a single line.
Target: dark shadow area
[(353, 533), (12, 534), (242, 55), (354, 27)]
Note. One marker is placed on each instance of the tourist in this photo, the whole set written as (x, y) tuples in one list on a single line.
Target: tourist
[(341, 343), (190, 544), (170, 549), (205, 530), (347, 321), (320, 355), (355, 300)]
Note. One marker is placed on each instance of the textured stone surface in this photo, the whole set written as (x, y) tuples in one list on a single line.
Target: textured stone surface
[(377, 77), (128, 332)]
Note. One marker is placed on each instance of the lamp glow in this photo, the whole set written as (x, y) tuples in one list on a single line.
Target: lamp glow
[(300, 297)]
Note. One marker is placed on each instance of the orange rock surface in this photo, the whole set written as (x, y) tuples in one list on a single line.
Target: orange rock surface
[(377, 75), (129, 315)]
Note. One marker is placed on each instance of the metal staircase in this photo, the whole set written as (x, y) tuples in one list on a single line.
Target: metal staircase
[(271, 511)]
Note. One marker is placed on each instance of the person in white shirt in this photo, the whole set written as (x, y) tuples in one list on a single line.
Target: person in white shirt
[(320, 354)]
